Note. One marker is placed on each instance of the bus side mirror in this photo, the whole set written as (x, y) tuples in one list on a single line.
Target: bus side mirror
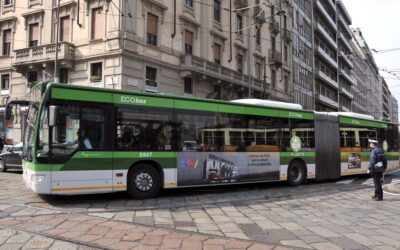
[(53, 115)]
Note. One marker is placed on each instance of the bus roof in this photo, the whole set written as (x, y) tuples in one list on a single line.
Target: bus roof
[(260, 103), (268, 103)]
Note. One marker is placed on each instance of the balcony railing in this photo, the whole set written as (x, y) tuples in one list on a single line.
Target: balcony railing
[(44, 53), (274, 57), (346, 59), (202, 66), (347, 93), (345, 41), (274, 26), (322, 9), (327, 57), (287, 35), (347, 76), (321, 29)]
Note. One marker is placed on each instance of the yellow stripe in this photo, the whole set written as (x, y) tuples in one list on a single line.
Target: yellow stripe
[(169, 184), (85, 188)]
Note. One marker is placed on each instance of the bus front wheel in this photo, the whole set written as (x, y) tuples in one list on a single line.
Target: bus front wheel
[(296, 173), (144, 182)]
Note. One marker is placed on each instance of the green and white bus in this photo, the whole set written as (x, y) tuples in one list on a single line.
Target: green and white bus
[(82, 140)]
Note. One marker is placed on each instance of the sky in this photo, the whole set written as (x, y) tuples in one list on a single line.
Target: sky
[(379, 21)]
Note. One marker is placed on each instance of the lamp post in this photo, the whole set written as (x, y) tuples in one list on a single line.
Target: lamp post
[(56, 78)]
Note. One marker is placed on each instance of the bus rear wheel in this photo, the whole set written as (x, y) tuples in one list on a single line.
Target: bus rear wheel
[(144, 182), (296, 173)]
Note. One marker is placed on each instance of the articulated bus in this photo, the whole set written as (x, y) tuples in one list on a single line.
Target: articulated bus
[(82, 140)]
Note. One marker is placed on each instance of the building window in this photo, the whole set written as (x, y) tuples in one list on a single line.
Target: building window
[(189, 3), (217, 11), (32, 78), (285, 54), (6, 42), (273, 78), (151, 79), (188, 88), (7, 2), (5, 82), (34, 35), (188, 42), (258, 37), (152, 22), (64, 29), (217, 91), (96, 72), (286, 82), (63, 75), (273, 43), (239, 24), (98, 23), (239, 63), (217, 53), (258, 71)]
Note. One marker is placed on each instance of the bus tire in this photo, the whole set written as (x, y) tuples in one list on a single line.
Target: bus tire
[(296, 173), (3, 167), (144, 182)]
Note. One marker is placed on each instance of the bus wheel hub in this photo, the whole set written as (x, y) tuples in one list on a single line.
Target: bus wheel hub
[(143, 181)]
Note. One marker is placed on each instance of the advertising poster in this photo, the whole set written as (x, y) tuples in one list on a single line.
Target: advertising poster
[(354, 160), (196, 168)]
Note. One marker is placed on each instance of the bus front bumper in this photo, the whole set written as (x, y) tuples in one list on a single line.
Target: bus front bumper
[(37, 181)]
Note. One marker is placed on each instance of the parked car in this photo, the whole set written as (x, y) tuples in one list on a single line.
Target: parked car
[(11, 158)]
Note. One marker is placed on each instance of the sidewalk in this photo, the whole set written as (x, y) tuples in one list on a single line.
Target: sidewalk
[(103, 233), (393, 188)]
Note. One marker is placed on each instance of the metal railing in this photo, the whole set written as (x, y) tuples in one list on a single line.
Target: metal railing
[(44, 52)]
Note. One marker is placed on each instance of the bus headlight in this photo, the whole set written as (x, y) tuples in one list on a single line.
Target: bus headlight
[(37, 178)]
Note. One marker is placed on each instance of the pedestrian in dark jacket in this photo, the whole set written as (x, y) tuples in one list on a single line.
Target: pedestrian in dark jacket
[(376, 168)]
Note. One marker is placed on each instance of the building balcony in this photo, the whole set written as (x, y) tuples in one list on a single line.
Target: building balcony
[(197, 65), (346, 93), (345, 25), (321, 75), (326, 57), (274, 26), (345, 41), (325, 34), (343, 11), (346, 59), (274, 57), (327, 101), (345, 109), (325, 13), (286, 35), (347, 77), (43, 54)]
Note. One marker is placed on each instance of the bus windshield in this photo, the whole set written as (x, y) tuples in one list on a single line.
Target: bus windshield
[(29, 132)]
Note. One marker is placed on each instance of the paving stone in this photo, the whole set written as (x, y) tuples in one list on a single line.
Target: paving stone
[(18, 238), (295, 243), (346, 243), (325, 246), (61, 245), (12, 246), (366, 241), (38, 242), (323, 232)]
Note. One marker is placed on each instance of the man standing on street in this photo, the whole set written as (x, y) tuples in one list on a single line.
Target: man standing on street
[(376, 168)]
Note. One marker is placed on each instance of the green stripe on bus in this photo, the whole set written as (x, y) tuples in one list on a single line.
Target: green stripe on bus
[(99, 160), (149, 101), (362, 122), (287, 157), (80, 95)]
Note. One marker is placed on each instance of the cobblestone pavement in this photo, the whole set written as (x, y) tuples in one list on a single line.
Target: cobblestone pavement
[(329, 215)]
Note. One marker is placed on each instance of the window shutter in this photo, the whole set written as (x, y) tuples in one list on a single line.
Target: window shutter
[(152, 21), (7, 36), (189, 38), (217, 52), (34, 32), (98, 23), (64, 29)]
